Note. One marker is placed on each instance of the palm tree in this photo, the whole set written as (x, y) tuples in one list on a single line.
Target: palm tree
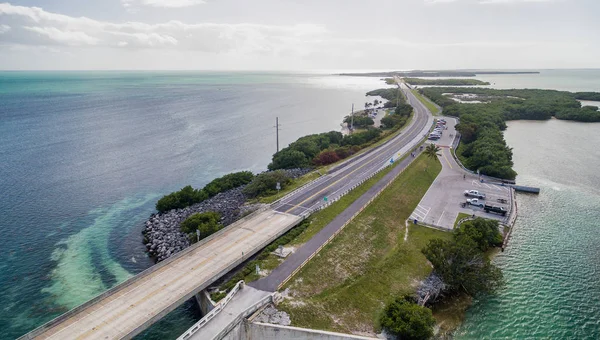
[(431, 151)]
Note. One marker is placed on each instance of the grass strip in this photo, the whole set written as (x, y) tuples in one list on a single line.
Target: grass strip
[(345, 287), (460, 217), (298, 235), (428, 103)]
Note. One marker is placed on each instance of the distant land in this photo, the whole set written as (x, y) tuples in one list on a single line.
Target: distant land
[(433, 73)]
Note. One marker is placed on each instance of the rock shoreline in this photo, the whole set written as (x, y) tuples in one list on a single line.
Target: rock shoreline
[(161, 232)]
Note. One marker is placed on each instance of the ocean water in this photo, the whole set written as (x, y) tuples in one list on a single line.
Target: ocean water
[(85, 155), (552, 263)]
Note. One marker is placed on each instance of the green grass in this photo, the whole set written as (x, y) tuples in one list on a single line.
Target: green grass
[(460, 217), (428, 103), (345, 287), (317, 221)]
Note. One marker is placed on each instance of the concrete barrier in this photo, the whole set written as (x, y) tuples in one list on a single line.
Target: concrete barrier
[(265, 331)]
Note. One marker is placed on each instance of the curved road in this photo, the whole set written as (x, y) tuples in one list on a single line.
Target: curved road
[(357, 169), (132, 306)]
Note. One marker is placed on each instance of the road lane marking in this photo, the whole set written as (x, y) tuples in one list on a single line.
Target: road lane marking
[(375, 158), (447, 161), (200, 265)]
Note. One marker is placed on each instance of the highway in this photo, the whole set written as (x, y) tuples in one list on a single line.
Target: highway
[(135, 304), (354, 171)]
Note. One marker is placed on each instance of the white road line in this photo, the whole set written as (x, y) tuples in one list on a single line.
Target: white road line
[(438, 222)]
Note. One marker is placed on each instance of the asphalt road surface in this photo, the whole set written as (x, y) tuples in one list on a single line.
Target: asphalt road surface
[(352, 172), (314, 197)]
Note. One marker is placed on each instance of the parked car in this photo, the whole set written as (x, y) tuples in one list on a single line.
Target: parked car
[(497, 210), (474, 193), (475, 202)]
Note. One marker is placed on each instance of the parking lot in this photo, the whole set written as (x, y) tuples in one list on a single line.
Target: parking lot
[(442, 203)]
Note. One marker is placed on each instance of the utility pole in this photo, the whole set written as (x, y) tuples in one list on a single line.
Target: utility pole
[(277, 131), (352, 119)]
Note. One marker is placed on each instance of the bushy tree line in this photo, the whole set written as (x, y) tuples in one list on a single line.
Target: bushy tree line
[(445, 82), (462, 263), (481, 124), (392, 95), (359, 121), (188, 195), (595, 96), (321, 149)]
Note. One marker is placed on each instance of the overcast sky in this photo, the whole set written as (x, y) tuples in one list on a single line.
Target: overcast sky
[(299, 34)]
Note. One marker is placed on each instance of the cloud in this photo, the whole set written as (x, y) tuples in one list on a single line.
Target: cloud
[(63, 37), (161, 3), (35, 26), (4, 28)]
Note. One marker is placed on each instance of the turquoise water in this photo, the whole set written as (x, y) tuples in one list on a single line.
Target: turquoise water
[(85, 155), (552, 263)]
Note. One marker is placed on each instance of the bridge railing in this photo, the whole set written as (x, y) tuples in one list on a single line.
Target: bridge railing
[(218, 308), (137, 277)]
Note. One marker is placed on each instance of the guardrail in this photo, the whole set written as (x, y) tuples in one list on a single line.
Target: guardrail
[(353, 216), (246, 313), (218, 308)]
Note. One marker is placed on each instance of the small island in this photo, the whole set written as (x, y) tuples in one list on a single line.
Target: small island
[(433, 73), (443, 82)]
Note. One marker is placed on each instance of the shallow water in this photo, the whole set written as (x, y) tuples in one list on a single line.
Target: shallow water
[(552, 263), (85, 155)]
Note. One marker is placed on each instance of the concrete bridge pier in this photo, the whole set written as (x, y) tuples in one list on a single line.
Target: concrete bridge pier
[(204, 301)]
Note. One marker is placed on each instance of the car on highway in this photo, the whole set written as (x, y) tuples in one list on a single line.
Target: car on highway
[(475, 202), (474, 193)]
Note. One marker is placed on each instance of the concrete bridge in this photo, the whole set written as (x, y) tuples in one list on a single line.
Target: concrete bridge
[(132, 306)]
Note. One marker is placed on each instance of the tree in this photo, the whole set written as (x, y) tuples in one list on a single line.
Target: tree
[(482, 231), (288, 159), (265, 183), (207, 223), (462, 266), (407, 320), (431, 151)]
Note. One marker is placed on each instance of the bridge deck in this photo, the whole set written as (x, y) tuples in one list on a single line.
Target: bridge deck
[(154, 295)]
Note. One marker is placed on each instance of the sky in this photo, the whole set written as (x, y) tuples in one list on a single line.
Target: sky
[(298, 34)]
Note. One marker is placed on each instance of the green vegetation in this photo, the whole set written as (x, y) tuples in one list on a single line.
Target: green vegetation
[(419, 73), (460, 217), (594, 96), (461, 262), (392, 94), (407, 320), (188, 195), (330, 147), (248, 273), (359, 121), (445, 82), (207, 223), (368, 259), (428, 104), (265, 184), (481, 124)]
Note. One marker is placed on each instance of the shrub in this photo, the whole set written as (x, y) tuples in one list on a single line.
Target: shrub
[(288, 159), (359, 121), (207, 222), (407, 320), (181, 199), (326, 157), (264, 184)]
